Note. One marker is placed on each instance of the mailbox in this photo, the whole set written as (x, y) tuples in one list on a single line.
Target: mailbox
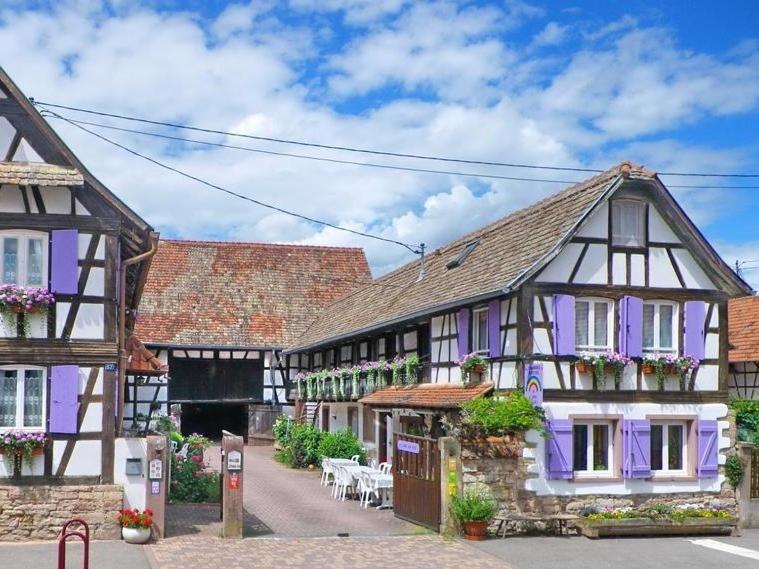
[(133, 466)]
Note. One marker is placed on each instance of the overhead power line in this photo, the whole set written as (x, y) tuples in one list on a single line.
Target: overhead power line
[(371, 151), (349, 162), (414, 249)]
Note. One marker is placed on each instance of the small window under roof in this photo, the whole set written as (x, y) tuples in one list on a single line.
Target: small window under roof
[(458, 259)]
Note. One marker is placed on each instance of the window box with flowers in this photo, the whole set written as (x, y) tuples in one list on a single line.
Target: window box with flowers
[(135, 525), (601, 364), (17, 303), (668, 365), (473, 366), (17, 446)]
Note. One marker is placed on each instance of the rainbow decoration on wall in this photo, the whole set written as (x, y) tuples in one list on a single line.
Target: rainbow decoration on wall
[(533, 383)]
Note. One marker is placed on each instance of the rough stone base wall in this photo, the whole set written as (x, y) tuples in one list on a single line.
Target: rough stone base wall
[(502, 468), (38, 512)]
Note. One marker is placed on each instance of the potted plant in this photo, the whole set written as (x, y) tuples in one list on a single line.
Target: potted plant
[(18, 301), (474, 366), (600, 364), (135, 525), (473, 510), (19, 446)]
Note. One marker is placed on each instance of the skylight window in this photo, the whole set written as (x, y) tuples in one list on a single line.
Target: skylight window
[(458, 259)]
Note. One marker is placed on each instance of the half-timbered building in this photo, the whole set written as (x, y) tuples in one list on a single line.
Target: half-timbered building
[(744, 347), (61, 230), (219, 314), (610, 265)]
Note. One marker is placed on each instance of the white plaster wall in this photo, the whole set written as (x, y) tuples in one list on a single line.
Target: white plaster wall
[(84, 461), (662, 273), (560, 268), (593, 267), (637, 270), (57, 200), (134, 485), (597, 225), (36, 468), (505, 375), (11, 200), (542, 486), (93, 418), (692, 273), (658, 229), (89, 323), (80, 209), (95, 281), (619, 269)]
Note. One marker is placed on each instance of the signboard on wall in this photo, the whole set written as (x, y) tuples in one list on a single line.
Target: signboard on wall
[(155, 469), (533, 383), (408, 446), (234, 460)]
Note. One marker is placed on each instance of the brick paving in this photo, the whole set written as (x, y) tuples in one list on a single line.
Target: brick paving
[(420, 552)]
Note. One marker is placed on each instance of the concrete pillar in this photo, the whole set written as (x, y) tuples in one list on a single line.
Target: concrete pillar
[(232, 447), (451, 481), (748, 509), (157, 488)]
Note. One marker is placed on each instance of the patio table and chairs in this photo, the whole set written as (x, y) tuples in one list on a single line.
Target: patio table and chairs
[(349, 478)]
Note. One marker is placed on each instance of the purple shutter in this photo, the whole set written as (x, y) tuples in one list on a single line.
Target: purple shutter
[(559, 449), (463, 321), (64, 399), (693, 338), (631, 326), (64, 257), (563, 325), (494, 328), (636, 449), (708, 449)]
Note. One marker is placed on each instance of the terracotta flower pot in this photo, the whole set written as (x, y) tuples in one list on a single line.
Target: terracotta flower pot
[(648, 368), (582, 367), (476, 530)]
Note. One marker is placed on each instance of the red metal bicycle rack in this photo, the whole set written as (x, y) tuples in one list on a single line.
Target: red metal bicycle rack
[(67, 533)]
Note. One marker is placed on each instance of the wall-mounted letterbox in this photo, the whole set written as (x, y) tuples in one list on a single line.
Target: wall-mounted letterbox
[(133, 466)]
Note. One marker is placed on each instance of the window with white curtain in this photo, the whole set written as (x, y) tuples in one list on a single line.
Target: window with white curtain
[(480, 330), (24, 258), (669, 447), (593, 324), (660, 327), (22, 398), (628, 223)]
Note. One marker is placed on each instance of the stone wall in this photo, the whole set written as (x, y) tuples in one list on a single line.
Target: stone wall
[(37, 512), (499, 464)]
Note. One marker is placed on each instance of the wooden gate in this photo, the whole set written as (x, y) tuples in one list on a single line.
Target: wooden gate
[(754, 482), (416, 480)]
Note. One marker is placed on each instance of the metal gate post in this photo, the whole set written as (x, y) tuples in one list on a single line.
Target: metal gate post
[(65, 534), (232, 476)]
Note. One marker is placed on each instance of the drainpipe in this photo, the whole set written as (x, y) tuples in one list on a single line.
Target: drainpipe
[(120, 382)]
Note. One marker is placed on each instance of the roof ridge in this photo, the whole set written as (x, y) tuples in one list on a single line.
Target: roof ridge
[(257, 244)]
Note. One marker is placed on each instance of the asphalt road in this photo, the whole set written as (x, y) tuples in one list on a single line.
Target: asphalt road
[(627, 553), (103, 555)]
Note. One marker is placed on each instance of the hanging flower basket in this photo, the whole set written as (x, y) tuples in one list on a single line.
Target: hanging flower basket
[(17, 300), (474, 367)]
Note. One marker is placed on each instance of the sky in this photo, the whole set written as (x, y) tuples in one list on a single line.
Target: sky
[(671, 85)]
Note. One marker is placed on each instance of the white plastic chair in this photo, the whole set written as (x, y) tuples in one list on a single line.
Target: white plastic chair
[(173, 447), (386, 467), (355, 458), (327, 471), (367, 486), (373, 463), (343, 482), (183, 451)]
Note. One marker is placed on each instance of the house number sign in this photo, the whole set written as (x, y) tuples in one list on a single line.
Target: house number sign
[(234, 460), (408, 446), (155, 470)]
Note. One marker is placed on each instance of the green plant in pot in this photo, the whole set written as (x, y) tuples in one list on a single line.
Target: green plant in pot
[(473, 510)]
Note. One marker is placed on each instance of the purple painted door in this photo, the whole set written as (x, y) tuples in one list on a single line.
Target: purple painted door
[(636, 448), (693, 338), (64, 261), (64, 399), (631, 326), (563, 325), (708, 449), (494, 328), (559, 449), (463, 324)]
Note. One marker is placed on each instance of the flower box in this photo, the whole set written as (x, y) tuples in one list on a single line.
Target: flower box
[(649, 369), (648, 527), (583, 367)]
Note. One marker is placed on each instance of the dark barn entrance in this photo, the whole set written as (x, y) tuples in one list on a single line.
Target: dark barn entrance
[(215, 393)]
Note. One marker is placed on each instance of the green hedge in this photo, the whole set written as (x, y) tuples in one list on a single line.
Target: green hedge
[(302, 444)]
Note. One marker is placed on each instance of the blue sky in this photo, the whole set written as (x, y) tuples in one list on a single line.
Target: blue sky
[(672, 85)]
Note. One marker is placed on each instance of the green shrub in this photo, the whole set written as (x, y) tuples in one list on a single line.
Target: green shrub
[(190, 482), (474, 505), (734, 470), (746, 414), (341, 444), (497, 416), (304, 445), (176, 437), (282, 430)]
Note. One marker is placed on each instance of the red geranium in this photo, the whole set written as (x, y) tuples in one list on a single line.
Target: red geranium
[(135, 518)]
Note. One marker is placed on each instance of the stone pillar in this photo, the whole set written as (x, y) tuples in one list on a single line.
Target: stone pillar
[(748, 509), (450, 481), (232, 447), (157, 487)]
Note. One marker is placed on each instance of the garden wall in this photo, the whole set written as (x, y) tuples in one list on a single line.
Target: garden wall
[(499, 463), (38, 512)]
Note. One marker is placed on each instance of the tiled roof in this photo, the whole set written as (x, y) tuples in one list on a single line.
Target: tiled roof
[(39, 174), (202, 293), (743, 329), (507, 248), (427, 395)]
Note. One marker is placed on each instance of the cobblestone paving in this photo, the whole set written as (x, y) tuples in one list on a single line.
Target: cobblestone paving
[(419, 552)]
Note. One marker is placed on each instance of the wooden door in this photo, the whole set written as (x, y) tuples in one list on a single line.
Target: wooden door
[(325, 419), (416, 480)]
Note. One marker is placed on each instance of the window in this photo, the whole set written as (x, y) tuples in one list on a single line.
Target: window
[(592, 325), (22, 392), (24, 258), (592, 448), (381, 348), (480, 330), (627, 223), (458, 259), (669, 447), (659, 327), (367, 414), (317, 360)]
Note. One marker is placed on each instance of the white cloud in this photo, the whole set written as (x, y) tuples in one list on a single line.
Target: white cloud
[(552, 34)]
